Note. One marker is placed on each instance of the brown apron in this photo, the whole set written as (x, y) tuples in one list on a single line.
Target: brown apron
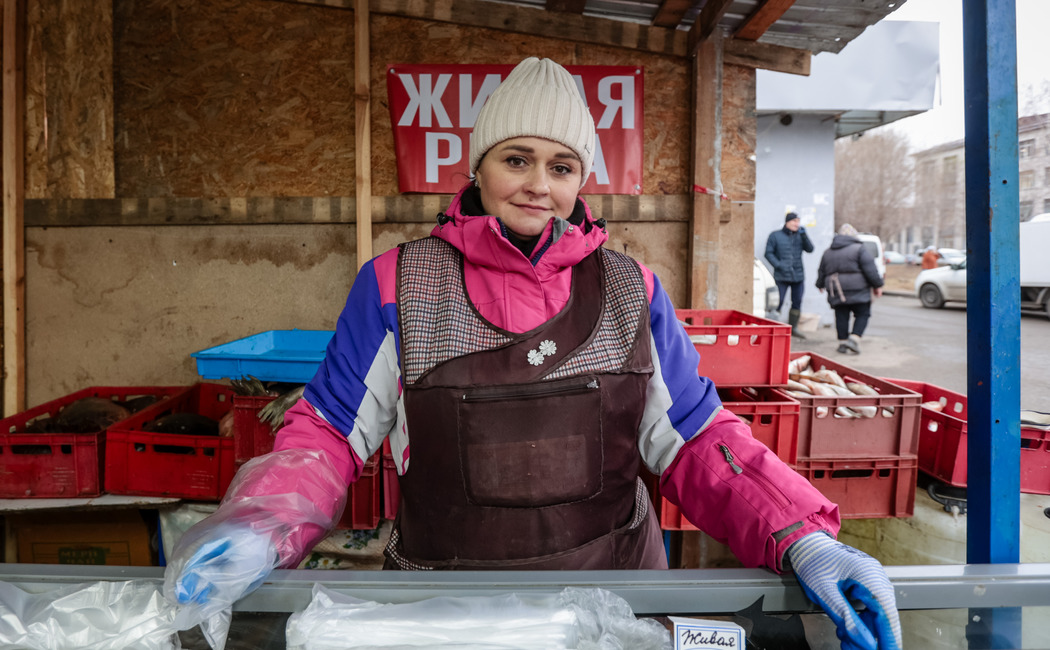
[(524, 454)]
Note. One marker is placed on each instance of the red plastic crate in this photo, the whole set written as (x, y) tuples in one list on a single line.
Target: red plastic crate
[(943, 442), (876, 488), (1035, 461), (391, 487), (251, 437), (738, 349), (825, 435), (772, 415), (363, 499), (671, 517), (50, 465), (147, 463)]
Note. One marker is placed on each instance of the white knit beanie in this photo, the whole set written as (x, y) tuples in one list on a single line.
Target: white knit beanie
[(539, 99)]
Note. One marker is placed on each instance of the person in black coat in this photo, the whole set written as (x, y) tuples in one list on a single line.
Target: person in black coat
[(784, 250), (847, 270)]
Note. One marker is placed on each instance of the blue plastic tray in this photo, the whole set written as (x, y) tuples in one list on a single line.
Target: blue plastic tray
[(291, 356)]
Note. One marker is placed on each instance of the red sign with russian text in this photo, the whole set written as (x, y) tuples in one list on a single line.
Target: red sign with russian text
[(433, 109)]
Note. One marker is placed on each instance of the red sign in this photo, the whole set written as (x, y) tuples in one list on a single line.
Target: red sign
[(433, 109)]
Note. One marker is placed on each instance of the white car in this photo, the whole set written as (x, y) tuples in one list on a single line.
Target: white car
[(764, 291), (874, 246), (893, 257), (934, 287), (950, 256)]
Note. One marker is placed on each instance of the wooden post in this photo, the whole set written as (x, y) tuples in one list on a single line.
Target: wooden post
[(363, 132), (14, 194), (707, 156)]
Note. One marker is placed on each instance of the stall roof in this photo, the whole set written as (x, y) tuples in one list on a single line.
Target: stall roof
[(813, 25)]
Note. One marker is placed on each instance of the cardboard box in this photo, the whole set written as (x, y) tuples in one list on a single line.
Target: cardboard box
[(117, 537)]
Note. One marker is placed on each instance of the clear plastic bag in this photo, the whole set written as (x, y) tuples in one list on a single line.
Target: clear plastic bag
[(91, 616), (581, 619), (277, 507)]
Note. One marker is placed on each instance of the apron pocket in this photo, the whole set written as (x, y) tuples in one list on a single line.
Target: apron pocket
[(532, 445)]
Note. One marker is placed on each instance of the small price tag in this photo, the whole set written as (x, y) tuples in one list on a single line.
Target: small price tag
[(702, 634)]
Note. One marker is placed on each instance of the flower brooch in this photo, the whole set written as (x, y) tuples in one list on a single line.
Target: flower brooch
[(547, 348)]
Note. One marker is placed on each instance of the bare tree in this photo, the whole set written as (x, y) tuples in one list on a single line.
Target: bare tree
[(1034, 99), (873, 182)]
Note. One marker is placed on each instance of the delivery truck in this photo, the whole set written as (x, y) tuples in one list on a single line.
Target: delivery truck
[(934, 287), (1035, 265)]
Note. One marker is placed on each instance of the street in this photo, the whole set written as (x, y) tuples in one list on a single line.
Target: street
[(907, 341)]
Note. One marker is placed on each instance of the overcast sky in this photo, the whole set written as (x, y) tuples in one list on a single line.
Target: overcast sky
[(945, 123)]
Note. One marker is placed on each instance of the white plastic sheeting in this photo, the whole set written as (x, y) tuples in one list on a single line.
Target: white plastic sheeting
[(582, 619), (90, 616)]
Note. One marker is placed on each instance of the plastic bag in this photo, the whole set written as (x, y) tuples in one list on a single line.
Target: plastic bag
[(91, 616), (582, 619), (277, 507)]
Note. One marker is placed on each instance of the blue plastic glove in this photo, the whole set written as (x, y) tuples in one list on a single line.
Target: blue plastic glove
[(229, 562), (831, 573)]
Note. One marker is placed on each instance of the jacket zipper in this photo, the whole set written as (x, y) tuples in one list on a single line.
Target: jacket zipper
[(729, 459), (532, 391), (760, 480)]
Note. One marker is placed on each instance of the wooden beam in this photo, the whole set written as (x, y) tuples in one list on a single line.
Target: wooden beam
[(363, 132), (566, 6), (288, 210), (707, 22), (707, 161), (762, 18), (13, 154), (532, 21), (765, 56), (671, 12)]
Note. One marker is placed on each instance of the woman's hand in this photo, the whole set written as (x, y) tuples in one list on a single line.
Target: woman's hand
[(220, 567), (831, 573)]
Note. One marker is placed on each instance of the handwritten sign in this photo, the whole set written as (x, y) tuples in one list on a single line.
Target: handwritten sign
[(702, 634)]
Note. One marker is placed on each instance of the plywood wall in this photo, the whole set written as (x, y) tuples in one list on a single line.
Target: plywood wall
[(737, 231), (233, 98), (240, 99), (69, 100), (396, 39)]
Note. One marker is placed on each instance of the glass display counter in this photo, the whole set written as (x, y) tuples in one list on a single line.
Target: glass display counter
[(974, 607)]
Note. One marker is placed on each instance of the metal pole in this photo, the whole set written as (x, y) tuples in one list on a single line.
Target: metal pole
[(993, 303), (993, 309)]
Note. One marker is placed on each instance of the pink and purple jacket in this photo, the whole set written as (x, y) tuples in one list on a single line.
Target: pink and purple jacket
[(727, 483)]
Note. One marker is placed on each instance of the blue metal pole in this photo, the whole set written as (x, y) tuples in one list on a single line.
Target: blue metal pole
[(993, 291), (993, 302)]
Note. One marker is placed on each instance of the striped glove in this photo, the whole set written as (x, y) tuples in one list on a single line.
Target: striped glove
[(830, 573)]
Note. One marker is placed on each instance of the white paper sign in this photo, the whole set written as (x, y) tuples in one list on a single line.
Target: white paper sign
[(702, 634)]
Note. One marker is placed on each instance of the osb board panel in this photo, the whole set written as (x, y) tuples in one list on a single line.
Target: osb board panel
[(403, 40), (233, 98), (663, 247), (736, 270), (737, 231), (127, 305), (739, 132), (69, 99)]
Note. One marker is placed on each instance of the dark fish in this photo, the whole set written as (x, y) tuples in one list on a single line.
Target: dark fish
[(89, 414), (191, 424), (41, 425), (136, 404)]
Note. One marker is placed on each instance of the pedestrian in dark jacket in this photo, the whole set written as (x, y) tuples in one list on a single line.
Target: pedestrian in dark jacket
[(847, 270), (784, 250)]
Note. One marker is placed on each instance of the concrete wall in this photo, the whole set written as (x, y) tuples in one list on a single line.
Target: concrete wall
[(796, 172)]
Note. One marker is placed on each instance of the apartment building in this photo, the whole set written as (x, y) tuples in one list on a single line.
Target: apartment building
[(940, 197)]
